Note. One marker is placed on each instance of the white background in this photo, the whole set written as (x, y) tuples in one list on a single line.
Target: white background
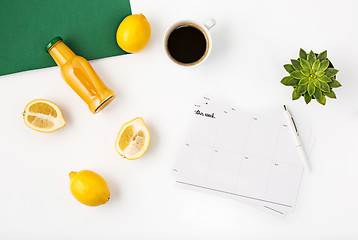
[(252, 40)]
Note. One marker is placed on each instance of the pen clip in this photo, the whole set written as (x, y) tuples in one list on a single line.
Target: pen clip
[(294, 124), (293, 121)]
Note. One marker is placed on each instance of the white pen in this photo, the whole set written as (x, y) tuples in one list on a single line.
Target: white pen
[(297, 138)]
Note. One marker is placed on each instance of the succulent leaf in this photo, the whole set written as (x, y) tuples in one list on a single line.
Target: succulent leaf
[(324, 65), (295, 94), (316, 65), (286, 80), (316, 83), (304, 64), (334, 84), (324, 87), (330, 72), (293, 82), (297, 74), (308, 98), (289, 68), (322, 100), (324, 78), (317, 93), (303, 54), (296, 64), (330, 94), (322, 56), (303, 81), (319, 97), (311, 88), (302, 89), (311, 57), (305, 72), (319, 73)]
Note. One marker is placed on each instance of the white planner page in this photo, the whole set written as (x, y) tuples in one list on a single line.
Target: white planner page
[(241, 154), (195, 185)]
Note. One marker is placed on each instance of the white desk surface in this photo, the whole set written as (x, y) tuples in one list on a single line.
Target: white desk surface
[(252, 40)]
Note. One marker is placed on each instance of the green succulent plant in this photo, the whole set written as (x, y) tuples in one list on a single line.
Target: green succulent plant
[(311, 76)]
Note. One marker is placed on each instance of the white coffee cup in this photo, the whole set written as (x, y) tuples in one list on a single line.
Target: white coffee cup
[(203, 28)]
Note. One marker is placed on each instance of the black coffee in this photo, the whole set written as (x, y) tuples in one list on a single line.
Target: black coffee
[(187, 44)]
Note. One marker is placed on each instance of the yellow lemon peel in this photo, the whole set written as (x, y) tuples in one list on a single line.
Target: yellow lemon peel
[(133, 33), (89, 188)]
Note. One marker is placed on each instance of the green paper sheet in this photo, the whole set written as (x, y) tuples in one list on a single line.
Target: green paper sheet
[(88, 27)]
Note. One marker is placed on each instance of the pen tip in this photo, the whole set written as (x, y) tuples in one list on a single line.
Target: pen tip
[(284, 106)]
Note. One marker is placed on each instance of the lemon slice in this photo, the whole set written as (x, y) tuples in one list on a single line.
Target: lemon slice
[(43, 116), (133, 139)]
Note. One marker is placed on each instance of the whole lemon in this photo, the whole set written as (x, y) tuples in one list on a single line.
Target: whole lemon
[(133, 33), (89, 188)]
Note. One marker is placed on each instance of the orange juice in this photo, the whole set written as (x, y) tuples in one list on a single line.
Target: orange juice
[(79, 74)]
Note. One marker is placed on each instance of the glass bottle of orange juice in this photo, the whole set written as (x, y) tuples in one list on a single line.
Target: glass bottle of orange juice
[(79, 74)]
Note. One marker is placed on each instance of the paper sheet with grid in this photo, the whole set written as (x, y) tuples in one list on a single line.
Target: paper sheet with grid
[(233, 152)]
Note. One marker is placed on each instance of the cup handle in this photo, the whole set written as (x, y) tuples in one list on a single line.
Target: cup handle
[(210, 23)]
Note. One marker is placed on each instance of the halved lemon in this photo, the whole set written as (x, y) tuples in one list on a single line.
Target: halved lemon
[(43, 116), (133, 139)]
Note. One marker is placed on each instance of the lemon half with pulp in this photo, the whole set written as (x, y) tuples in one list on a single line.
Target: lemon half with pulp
[(133, 139), (43, 116)]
